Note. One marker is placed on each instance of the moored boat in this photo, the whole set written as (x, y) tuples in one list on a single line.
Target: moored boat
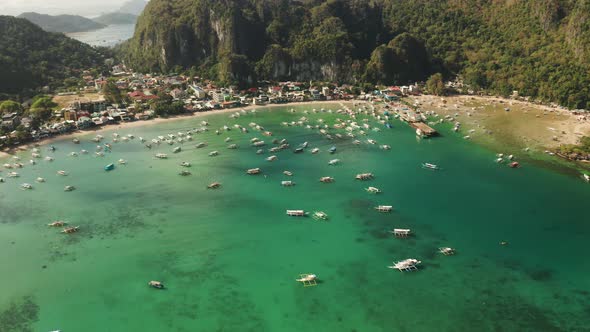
[(214, 185), (430, 166), (184, 173), (373, 190), (315, 150), (287, 183), (109, 167), (296, 213), (326, 179), (185, 164), (58, 223), (334, 162), (26, 186), (70, 230), (586, 177), (62, 173), (332, 150), (384, 208), (162, 156), (69, 188), (156, 284), (406, 265), (288, 173), (320, 215), (271, 158), (213, 153), (253, 171), (364, 176)]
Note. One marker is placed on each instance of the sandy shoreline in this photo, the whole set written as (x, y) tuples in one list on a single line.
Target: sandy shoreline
[(135, 124), (524, 124)]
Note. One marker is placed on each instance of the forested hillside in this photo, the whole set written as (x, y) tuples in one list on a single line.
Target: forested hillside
[(31, 57), (539, 48)]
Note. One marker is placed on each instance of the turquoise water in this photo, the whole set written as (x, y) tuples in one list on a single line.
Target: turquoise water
[(229, 257), (106, 37)]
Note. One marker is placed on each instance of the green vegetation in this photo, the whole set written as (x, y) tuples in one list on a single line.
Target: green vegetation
[(435, 85), (112, 94), (31, 58), (538, 48), (10, 106), (577, 152), (42, 108), (62, 23)]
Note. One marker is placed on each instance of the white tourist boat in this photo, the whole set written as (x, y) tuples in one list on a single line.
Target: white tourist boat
[(288, 173), (26, 186), (296, 213), (122, 162), (185, 164), (69, 188), (62, 173), (384, 208), (326, 179), (271, 158), (364, 176), (373, 190), (430, 166), (315, 150), (586, 177), (320, 215), (162, 156), (201, 145), (287, 183), (254, 171), (213, 153), (40, 180), (334, 162)]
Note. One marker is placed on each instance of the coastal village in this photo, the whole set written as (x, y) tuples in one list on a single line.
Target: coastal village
[(126, 96), (89, 109)]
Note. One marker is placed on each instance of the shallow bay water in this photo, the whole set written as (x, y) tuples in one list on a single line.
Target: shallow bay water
[(230, 257)]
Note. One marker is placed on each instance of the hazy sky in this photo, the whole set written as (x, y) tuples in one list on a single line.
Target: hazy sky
[(89, 8)]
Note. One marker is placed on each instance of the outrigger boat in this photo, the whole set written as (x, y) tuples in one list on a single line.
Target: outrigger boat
[(253, 171), (326, 179), (586, 177), (109, 167), (446, 251), (287, 173), (401, 232), (320, 215), (315, 150), (58, 223), (177, 149), (430, 166), (296, 213), (156, 284), (259, 151), (185, 164), (162, 156), (514, 164), (70, 230), (184, 173), (76, 141), (271, 158), (406, 265), (373, 190), (332, 150), (364, 176), (384, 208), (13, 175), (69, 188), (232, 146), (287, 183), (213, 153), (334, 162), (307, 279), (214, 185), (298, 150), (62, 173), (122, 162), (385, 147), (40, 180)]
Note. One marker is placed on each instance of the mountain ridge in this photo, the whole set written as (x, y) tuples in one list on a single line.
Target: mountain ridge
[(62, 23)]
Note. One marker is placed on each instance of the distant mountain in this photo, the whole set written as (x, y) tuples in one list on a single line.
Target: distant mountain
[(62, 23), (134, 7), (31, 58), (116, 18)]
